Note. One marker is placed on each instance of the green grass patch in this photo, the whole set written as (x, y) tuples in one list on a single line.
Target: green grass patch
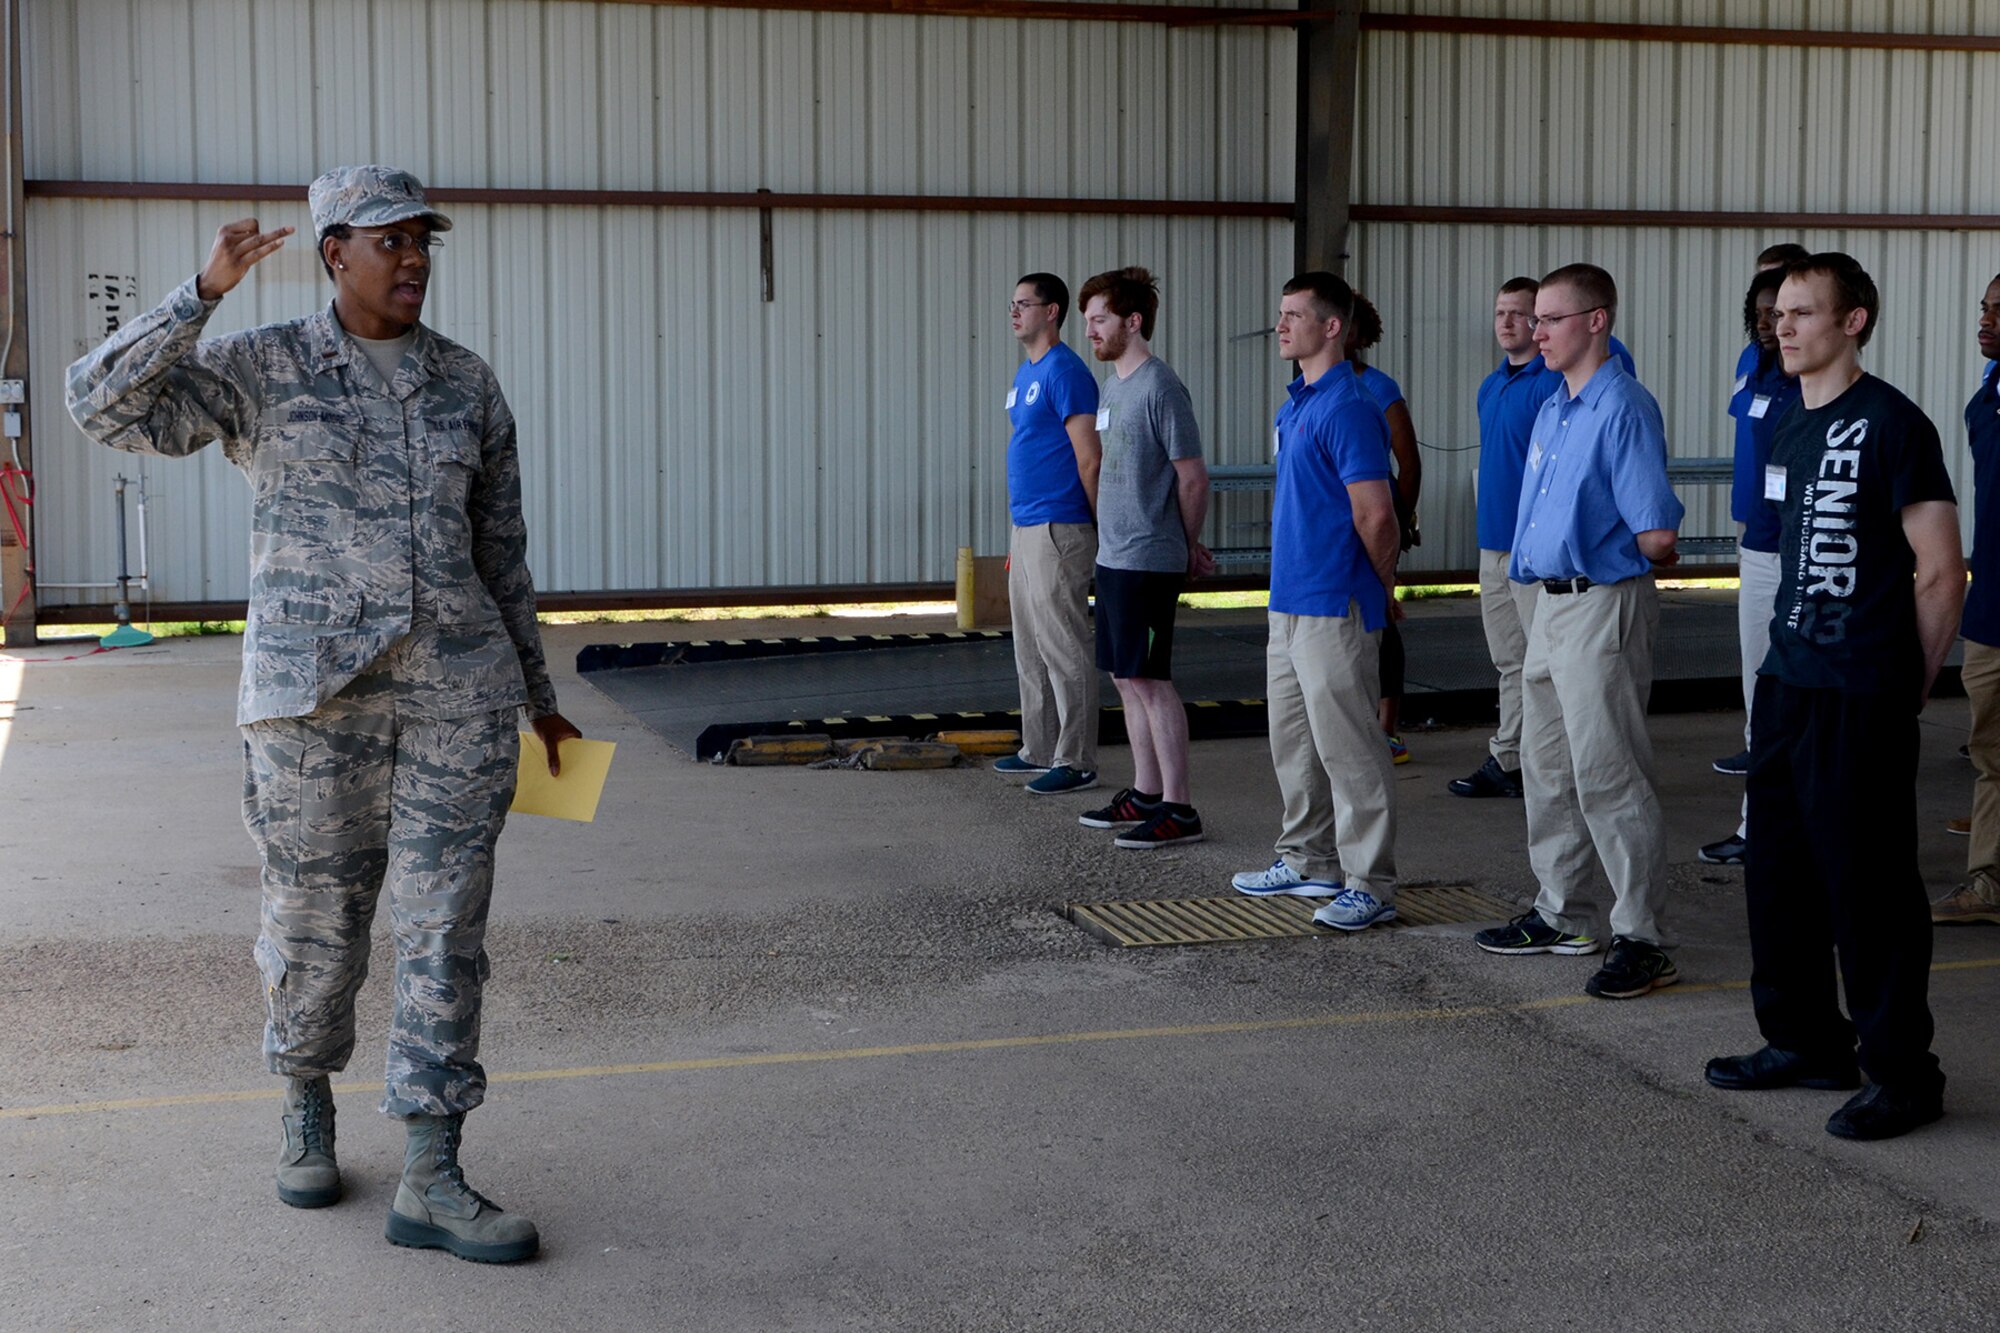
[(159, 629)]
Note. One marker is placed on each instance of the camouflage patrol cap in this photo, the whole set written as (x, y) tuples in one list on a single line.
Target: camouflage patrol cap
[(370, 197)]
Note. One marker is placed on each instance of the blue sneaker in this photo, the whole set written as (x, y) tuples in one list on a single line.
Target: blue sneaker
[(1062, 778), (1355, 909), (1279, 879), (1016, 765)]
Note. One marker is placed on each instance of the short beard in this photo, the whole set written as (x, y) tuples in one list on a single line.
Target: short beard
[(1113, 346)]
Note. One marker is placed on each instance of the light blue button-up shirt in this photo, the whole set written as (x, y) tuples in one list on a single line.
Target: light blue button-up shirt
[(1596, 477)]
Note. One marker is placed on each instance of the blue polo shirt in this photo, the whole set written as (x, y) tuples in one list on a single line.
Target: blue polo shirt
[(1763, 393), (1982, 430), (1596, 477), (1746, 360), (1509, 398), (1042, 481), (1377, 384), (1330, 435)]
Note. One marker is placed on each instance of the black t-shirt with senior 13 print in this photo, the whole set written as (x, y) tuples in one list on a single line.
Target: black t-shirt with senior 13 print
[(1840, 475)]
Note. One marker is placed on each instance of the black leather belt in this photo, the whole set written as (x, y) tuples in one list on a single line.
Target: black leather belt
[(1560, 586)]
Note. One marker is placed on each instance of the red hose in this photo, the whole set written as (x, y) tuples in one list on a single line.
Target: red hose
[(17, 491)]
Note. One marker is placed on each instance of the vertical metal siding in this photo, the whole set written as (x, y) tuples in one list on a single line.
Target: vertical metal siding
[(676, 430), (1527, 123)]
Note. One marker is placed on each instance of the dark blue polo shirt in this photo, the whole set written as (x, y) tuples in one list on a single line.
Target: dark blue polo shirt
[(1982, 430), (1763, 393)]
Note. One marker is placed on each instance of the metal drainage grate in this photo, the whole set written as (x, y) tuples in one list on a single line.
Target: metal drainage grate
[(1232, 920)]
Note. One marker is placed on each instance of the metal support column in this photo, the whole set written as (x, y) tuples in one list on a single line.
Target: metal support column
[(1329, 55)]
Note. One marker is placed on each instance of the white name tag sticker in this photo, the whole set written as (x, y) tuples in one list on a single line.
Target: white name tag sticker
[(1760, 405), (1742, 382), (1012, 394), (1104, 418), (1274, 441), (1774, 482), (1535, 455)]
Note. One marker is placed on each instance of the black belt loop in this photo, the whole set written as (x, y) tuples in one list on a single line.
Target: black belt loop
[(1561, 586)]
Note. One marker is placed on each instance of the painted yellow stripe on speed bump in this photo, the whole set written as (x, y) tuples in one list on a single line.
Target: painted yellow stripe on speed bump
[(1363, 1019)]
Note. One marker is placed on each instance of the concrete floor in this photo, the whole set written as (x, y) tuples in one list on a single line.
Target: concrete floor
[(777, 1049)]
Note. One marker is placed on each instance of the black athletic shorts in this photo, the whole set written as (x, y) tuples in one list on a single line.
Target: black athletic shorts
[(1135, 622)]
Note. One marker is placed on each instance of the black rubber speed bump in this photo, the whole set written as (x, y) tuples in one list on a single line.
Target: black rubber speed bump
[(1240, 918)]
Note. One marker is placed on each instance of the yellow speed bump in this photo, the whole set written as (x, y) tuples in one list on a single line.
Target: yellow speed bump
[(980, 742)]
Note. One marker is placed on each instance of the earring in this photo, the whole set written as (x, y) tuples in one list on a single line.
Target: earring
[(342, 267)]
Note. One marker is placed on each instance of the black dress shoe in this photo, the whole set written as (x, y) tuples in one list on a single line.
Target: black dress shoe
[(1773, 1068), (1729, 852), (1489, 779), (1879, 1112)]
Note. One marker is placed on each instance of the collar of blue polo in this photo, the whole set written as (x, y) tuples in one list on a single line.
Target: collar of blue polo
[(1603, 381), (1301, 386)]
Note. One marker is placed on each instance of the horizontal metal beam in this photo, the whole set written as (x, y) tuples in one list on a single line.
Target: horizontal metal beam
[(1083, 11), (1678, 33), (749, 199), (185, 191), (1671, 217), (1188, 16), (639, 599)]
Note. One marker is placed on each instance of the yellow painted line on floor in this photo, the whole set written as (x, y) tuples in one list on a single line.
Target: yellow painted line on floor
[(1362, 1019)]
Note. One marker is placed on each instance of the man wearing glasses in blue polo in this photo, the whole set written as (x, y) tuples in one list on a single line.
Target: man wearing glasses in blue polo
[(1597, 516)]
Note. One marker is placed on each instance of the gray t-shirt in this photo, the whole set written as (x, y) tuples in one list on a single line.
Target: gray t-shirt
[(385, 354), (1146, 422)]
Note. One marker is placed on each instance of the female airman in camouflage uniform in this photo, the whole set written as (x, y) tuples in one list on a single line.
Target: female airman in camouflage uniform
[(391, 639)]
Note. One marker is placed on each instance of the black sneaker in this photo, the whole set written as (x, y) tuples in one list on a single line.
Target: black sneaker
[(1528, 933), (1731, 851), (1489, 779), (1878, 1112), (1163, 828), (1735, 766), (1127, 807), (1634, 968)]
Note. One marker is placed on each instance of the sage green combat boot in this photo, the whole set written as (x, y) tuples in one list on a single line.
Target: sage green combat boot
[(308, 1176), (436, 1210)]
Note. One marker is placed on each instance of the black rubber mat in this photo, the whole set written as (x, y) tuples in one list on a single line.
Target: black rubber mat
[(916, 684)]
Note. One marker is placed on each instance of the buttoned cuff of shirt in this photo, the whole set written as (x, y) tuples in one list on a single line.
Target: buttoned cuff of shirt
[(186, 304)]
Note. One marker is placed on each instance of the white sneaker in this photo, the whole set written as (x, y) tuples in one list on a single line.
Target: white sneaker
[(1281, 878), (1355, 909)]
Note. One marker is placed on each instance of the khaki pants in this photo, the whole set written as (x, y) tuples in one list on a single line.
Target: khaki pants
[(1506, 610), (1587, 760), (1756, 602), (1322, 678), (1055, 649), (1981, 676)]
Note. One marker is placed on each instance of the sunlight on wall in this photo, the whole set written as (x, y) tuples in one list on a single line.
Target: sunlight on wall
[(10, 694)]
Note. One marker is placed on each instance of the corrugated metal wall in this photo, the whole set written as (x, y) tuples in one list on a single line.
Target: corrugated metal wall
[(1472, 121), (677, 431)]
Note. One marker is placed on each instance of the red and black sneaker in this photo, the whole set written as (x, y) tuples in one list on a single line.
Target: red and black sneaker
[(1127, 807), (1165, 828)]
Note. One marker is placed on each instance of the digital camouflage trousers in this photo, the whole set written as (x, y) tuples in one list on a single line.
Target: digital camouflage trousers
[(341, 803)]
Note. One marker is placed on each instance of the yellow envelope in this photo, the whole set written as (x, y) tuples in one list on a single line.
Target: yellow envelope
[(574, 794)]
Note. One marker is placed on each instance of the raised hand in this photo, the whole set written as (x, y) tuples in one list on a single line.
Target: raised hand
[(238, 246)]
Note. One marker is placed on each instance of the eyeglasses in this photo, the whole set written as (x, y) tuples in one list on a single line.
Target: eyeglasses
[(1536, 321), (400, 243), (1022, 307)]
